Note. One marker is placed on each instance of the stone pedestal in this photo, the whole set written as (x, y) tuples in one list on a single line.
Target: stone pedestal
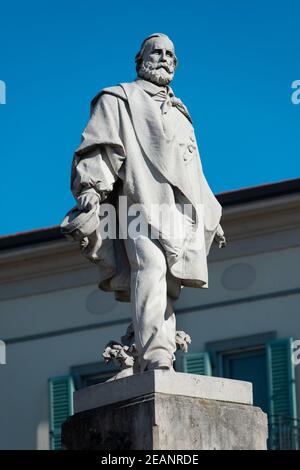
[(164, 410)]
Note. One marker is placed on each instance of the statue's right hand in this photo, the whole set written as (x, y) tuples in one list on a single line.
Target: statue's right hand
[(87, 200)]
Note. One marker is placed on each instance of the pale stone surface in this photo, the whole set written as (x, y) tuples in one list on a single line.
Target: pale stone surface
[(165, 382), (125, 355), (161, 410), (140, 146)]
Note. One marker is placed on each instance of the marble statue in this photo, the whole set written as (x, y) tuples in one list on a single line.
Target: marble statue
[(139, 150), (125, 355)]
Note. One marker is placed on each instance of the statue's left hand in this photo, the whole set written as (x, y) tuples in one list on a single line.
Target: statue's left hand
[(87, 200), (220, 238)]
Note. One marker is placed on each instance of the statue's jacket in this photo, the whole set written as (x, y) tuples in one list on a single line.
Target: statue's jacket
[(130, 148)]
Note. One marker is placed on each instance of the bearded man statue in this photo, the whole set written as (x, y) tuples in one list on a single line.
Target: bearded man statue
[(139, 146)]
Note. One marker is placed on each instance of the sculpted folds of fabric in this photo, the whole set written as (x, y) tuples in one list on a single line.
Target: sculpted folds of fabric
[(155, 158)]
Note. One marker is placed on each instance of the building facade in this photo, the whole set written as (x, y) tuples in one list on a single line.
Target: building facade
[(55, 322)]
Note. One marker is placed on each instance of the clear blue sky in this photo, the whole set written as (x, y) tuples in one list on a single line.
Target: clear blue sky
[(237, 58)]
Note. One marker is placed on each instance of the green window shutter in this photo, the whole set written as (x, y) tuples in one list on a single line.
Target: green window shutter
[(61, 406), (281, 378), (196, 363)]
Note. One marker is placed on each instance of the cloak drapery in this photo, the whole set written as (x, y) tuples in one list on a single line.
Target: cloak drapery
[(156, 161)]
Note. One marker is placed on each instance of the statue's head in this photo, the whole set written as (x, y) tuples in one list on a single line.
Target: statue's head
[(156, 61)]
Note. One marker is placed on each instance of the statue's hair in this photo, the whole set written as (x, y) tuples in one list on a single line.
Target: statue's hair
[(139, 55)]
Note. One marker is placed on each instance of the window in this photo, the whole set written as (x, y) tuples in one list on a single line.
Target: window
[(250, 366), (61, 394), (91, 374), (267, 363)]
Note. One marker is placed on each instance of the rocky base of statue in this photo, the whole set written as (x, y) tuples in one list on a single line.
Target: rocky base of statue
[(165, 410), (124, 354)]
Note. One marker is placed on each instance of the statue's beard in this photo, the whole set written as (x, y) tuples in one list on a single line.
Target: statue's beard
[(160, 74)]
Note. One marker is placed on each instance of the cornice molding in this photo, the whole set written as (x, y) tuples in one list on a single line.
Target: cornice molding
[(262, 217), (240, 222)]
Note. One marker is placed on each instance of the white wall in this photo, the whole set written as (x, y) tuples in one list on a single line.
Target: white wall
[(36, 357)]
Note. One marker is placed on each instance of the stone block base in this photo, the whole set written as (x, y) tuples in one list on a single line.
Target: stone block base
[(166, 421)]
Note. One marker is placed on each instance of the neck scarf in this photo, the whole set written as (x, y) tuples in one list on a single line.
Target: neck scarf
[(164, 95)]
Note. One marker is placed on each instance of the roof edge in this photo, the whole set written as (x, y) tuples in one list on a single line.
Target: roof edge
[(226, 199)]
